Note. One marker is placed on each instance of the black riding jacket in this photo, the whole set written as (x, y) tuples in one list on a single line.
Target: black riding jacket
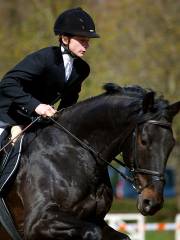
[(39, 78)]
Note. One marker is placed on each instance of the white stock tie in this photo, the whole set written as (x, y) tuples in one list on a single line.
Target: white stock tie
[(68, 64)]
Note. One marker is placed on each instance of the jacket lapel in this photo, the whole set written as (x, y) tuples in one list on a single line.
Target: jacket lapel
[(58, 59), (74, 74)]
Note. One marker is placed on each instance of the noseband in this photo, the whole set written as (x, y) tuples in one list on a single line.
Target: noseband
[(134, 169)]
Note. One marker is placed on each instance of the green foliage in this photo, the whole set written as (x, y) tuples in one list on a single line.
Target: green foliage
[(139, 41)]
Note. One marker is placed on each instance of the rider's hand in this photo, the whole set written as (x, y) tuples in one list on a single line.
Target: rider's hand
[(45, 110)]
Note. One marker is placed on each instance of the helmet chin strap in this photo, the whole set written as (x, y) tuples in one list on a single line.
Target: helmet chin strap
[(67, 50)]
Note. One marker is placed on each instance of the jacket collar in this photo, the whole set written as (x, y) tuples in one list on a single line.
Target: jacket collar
[(59, 60)]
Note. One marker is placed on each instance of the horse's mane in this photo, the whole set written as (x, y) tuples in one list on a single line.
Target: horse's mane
[(135, 91), (130, 90)]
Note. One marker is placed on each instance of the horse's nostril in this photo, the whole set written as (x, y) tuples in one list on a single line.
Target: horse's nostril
[(150, 206), (147, 204)]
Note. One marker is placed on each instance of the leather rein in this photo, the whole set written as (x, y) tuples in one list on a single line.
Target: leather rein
[(156, 176)]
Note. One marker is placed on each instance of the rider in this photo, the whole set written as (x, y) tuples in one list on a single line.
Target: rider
[(48, 75)]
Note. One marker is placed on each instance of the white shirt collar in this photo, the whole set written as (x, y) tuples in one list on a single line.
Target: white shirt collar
[(68, 63)]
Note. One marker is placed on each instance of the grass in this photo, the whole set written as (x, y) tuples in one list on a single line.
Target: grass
[(155, 235), (166, 235), (166, 214)]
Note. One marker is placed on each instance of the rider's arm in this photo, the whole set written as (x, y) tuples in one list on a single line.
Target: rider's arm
[(12, 85)]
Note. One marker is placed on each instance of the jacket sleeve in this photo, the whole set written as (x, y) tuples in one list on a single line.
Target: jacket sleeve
[(70, 97), (12, 84)]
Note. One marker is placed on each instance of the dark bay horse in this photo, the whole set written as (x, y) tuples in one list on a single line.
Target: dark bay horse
[(63, 191)]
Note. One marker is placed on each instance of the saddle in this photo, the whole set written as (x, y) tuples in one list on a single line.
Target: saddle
[(9, 161)]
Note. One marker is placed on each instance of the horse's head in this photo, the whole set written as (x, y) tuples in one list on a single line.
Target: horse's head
[(147, 150)]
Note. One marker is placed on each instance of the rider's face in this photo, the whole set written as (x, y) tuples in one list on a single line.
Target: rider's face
[(77, 45)]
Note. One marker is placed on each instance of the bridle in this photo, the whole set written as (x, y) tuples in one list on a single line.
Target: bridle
[(134, 169)]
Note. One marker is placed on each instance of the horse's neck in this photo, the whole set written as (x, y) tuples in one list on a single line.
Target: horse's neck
[(100, 125)]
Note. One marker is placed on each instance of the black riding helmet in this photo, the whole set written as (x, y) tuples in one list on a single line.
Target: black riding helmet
[(75, 22)]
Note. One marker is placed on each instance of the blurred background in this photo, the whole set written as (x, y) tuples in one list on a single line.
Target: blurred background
[(139, 44)]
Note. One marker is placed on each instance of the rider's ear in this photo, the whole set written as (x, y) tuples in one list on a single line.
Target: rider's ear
[(173, 109), (148, 101)]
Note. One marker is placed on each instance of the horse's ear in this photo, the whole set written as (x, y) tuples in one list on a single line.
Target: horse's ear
[(173, 109), (148, 101)]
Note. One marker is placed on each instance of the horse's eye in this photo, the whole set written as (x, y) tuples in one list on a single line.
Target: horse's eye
[(143, 142)]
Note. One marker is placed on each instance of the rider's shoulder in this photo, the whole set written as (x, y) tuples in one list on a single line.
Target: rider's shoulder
[(45, 51)]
